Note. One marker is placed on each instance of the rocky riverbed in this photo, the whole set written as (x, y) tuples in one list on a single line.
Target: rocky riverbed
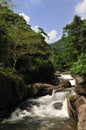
[(76, 103), (48, 112)]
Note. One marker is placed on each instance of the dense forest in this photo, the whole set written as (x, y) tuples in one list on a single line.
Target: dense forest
[(70, 50), (23, 51)]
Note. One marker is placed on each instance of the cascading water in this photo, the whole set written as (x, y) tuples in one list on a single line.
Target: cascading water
[(49, 106), (54, 105), (44, 112), (68, 77)]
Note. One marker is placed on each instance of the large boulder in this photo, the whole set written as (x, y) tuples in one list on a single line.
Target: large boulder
[(80, 101), (72, 107), (39, 89), (82, 117), (77, 110), (63, 85), (80, 85), (58, 105), (12, 90), (81, 112)]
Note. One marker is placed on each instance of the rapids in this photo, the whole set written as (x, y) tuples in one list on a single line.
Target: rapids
[(44, 113)]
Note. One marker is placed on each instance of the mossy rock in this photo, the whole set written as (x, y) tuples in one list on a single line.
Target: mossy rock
[(72, 107), (39, 89), (12, 90)]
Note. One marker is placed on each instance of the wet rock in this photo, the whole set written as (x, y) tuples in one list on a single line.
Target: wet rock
[(58, 105), (72, 107), (39, 89), (63, 85), (69, 125), (82, 117), (80, 101), (77, 105), (80, 85), (57, 73), (80, 79)]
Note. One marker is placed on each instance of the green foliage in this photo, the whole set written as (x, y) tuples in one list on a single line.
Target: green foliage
[(58, 47), (7, 3), (79, 67), (72, 44), (23, 49), (74, 40), (71, 36), (7, 70), (59, 62), (35, 68)]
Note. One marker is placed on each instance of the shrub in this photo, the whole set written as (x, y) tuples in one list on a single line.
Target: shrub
[(79, 67), (35, 68)]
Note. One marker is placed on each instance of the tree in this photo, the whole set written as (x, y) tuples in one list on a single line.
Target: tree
[(18, 30), (7, 3), (74, 40), (43, 32), (23, 50), (72, 44), (79, 67), (4, 43)]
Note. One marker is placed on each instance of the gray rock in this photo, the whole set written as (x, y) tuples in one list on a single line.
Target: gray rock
[(58, 105), (82, 117), (81, 85), (39, 89)]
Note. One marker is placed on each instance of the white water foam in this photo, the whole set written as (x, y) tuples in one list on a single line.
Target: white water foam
[(44, 107), (68, 77)]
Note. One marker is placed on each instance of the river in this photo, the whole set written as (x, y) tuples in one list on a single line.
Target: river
[(44, 113)]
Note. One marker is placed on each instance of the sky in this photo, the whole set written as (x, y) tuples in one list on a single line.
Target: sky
[(51, 15)]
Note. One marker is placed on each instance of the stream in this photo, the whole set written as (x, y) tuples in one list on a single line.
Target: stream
[(44, 113)]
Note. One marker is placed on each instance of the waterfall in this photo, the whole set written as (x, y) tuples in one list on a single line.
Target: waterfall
[(53, 93), (68, 77)]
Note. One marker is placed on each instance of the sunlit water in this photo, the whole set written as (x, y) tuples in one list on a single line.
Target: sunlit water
[(44, 113), (68, 77)]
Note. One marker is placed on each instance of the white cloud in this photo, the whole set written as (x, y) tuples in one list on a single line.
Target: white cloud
[(27, 18), (35, 28), (52, 36), (35, 1), (80, 9)]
